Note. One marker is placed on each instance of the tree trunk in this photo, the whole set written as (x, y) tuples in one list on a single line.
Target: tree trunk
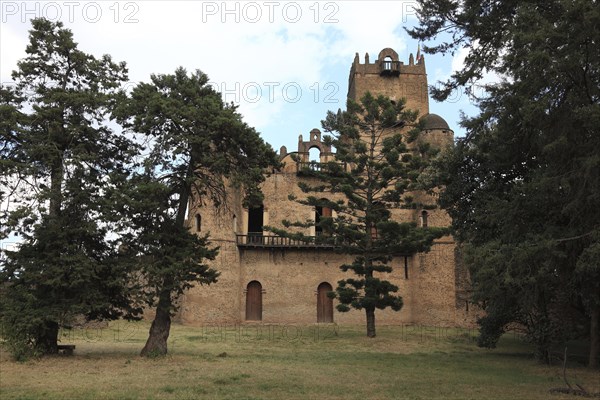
[(184, 194), (48, 340), (57, 171), (370, 322), (156, 345), (594, 338)]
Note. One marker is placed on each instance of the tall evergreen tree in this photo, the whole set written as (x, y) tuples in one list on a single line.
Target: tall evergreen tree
[(524, 185), (198, 146), (58, 156), (376, 170)]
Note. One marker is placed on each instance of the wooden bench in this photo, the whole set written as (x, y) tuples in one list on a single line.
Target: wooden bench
[(66, 349)]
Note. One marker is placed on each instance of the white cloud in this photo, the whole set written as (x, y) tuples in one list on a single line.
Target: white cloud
[(12, 49), (458, 61), (307, 44)]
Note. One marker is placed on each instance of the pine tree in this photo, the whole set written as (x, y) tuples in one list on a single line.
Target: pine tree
[(524, 185), (378, 165), (197, 147), (58, 156)]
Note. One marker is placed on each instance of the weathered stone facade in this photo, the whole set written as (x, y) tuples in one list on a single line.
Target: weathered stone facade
[(261, 271)]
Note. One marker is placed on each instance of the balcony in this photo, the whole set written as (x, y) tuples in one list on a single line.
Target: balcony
[(390, 68), (320, 242), (258, 240)]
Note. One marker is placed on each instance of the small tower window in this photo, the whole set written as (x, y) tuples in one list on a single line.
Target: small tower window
[(198, 223), (379, 213), (387, 63), (424, 217)]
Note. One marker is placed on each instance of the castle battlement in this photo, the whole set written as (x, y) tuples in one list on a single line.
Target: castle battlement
[(389, 64)]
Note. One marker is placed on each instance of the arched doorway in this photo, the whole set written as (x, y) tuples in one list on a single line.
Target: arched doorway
[(324, 303), (314, 154), (254, 301)]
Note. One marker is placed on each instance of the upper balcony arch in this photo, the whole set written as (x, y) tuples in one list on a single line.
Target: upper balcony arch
[(314, 154), (388, 52), (307, 157), (314, 141)]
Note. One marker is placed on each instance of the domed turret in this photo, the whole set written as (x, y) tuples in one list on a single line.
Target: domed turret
[(434, 122), (437, 131)]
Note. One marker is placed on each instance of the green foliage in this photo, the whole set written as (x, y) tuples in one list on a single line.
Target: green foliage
[(57, 158), (587, 273), (164, 253), (523, 187), (376, 167), (197, 140), (21, 323)]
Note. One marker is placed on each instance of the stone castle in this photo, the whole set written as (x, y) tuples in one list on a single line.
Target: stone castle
[(277, 280)]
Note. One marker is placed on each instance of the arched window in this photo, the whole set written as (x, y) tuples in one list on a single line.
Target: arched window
[(234, 224), (380, 213), (324, 303), (374, 233), (424, 216), (198, 223), (254, 301), (320, 213), (314, 154)]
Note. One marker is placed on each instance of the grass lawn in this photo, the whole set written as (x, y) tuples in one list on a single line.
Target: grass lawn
[(287, 362)]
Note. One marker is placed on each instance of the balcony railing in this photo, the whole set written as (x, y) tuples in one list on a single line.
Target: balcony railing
[(258, 240), (313, 166)]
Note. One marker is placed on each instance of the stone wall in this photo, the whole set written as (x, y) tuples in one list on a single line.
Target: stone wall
[(290, 277)]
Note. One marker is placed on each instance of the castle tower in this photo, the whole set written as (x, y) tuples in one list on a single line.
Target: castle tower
[(391, 77), (430, 294)]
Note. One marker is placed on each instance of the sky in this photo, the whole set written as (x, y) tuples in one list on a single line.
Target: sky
[(285, 63)]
